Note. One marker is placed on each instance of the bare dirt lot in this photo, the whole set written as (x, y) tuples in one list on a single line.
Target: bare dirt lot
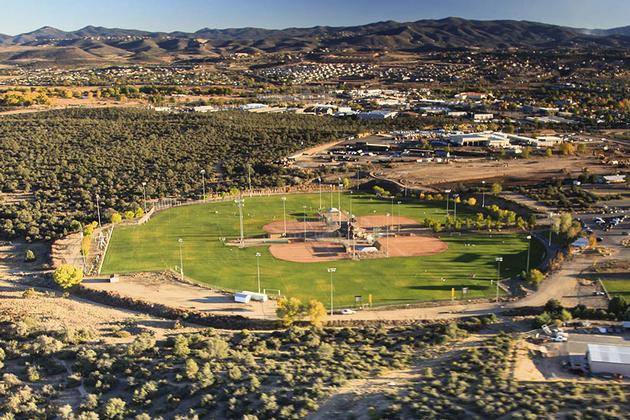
[(307, 252), (481, 169), (161, 288), (54, 312)]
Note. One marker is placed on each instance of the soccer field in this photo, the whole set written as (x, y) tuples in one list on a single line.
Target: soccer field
[(468, 262)]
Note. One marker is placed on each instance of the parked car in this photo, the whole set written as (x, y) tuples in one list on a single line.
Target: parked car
[(347, 312)]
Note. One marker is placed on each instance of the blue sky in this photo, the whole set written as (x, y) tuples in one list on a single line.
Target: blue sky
[(17, 16)]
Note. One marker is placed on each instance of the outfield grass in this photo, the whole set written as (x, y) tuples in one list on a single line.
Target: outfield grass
[(154, 246)]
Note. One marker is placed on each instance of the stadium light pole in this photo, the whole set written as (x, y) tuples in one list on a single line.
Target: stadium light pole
[(331, 270), (203, 184), (498, 260), (98, 210), (332, 189), (483, 194), (284, 214), (529, 246), (240, 202), (181, 258), (319, 179), (398, 205), (455, 196), (340, 187), (144, 194), (304, 221), (387, 238), (258, 269), (448, 192)]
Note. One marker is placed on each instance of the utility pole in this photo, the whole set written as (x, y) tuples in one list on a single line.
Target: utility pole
[(258, 269), (144, 193), (498, 260), (332, 203), (284, 214), (240, 203), (203, 183), (529, 246), (399, 216), (98, 210), (483, 194), (331, 270), (181, 258)]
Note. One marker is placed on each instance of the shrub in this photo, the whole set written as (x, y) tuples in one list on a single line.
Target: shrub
[(29, 256), (67, 276), (114, 408)]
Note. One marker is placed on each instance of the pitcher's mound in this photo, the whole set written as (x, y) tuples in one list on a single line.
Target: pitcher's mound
[(305, 252)]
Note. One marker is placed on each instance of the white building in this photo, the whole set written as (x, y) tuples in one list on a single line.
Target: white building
[(603, 358), (487, 139), (376, 115), (482, 117)]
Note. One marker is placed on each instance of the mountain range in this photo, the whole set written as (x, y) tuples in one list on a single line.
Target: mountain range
[(99, 44)]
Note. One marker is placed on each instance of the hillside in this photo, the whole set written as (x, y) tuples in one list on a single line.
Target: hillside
[(451, 33)]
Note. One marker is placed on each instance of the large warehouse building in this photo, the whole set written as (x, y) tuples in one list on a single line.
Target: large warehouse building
[(603, 358)]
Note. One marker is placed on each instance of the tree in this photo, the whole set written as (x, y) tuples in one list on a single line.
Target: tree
[(497, 188), (581, 148), (289, 310), (346, 183), (567, 149), (139, 212), (116, 218), (549, 152), (472, 201), (535, 277), (67, 276), (316, 313), (618, 306), (527, 151), (553, 306), (29, 256)]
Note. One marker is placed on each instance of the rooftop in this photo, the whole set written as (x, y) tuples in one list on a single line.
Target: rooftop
[(609, 354)]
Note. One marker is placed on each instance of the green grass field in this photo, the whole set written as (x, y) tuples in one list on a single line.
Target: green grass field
[(154, 246), (617, 285)]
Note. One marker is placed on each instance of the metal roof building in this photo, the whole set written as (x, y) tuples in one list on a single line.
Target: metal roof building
[(604, 358)]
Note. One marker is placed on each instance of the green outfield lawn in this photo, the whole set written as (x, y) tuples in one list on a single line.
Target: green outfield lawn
[(154, 246), (619, 286)]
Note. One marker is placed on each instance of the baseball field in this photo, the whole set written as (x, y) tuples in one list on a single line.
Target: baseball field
[(422, 266)]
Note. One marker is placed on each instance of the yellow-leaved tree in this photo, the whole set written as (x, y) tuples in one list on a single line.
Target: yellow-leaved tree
[(67, 276)]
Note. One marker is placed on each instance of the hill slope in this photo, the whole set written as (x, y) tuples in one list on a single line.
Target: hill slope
[(449, 33)]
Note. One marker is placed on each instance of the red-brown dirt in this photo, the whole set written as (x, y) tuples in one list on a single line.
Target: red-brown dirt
[(305, 252), (412, 246), (382, 221), (296, 227)]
